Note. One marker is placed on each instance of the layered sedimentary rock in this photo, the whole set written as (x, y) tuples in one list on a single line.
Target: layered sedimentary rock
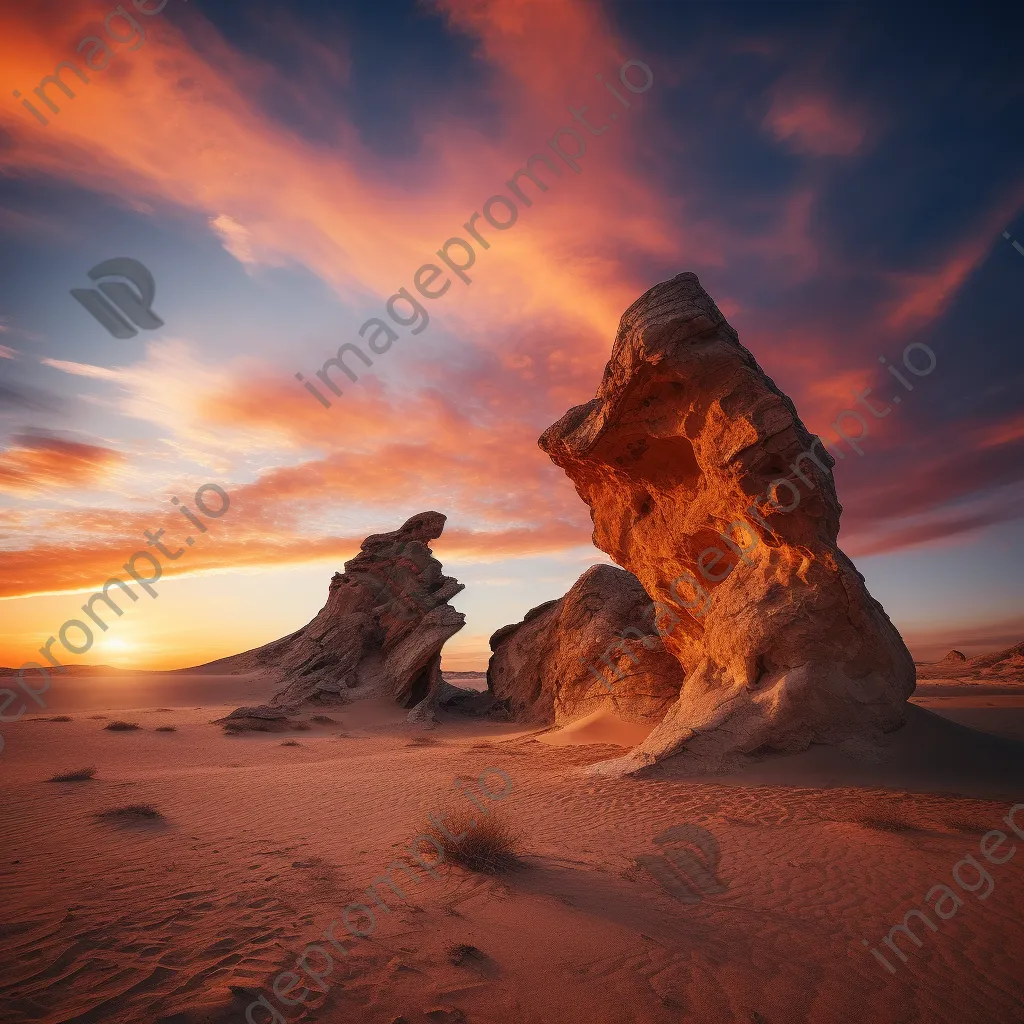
[(704, 483), (595, 647), (381, 631)]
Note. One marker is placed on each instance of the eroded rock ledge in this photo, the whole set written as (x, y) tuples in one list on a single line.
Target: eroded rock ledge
[(381, 631)]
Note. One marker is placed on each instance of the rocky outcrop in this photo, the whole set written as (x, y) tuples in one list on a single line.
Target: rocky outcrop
[(704, 483), (381, 631), (595, 647), (1002, 668)]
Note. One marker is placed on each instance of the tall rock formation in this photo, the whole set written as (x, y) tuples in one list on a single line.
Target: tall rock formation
[(380, 632), (596, 646), (703, 482)]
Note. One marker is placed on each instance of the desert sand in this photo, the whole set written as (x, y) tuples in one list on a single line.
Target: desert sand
[(188, 917)]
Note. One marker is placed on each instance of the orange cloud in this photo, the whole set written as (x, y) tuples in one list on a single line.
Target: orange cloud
[(36, 464)]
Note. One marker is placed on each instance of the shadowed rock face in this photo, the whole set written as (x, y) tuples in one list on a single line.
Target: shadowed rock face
[(684, 458), (380, 632), (594, 647)]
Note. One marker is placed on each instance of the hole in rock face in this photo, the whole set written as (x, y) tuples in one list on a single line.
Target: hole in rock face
[(650, 443), (665, 463), (420, 687)]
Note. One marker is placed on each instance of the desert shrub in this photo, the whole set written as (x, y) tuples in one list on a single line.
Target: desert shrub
[(459, 953), (490, 844), (131, 812), (291, 743), (119, 726), (166, 728), (78, 775)]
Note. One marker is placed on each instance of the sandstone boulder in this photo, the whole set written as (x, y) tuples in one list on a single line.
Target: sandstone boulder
[(955, 658), (704, 483), (380, 632), (596, 646)]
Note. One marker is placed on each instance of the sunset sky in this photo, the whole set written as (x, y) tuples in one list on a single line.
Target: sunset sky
[(840, 178)]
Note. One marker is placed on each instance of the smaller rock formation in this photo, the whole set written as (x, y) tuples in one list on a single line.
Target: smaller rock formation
[(595, 646), (954, 657), (380, 632)]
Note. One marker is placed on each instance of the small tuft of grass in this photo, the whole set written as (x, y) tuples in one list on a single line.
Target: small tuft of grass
[(166, 728), (461, 952), (131, 812), (291, 743), (488, 844), (78, 775), (324, 720), (118, 726)]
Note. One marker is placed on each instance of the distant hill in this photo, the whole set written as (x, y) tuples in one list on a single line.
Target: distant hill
[(1005, 666), (85, 670)]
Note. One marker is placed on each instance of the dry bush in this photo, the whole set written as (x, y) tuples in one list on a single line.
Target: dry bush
[(166, 728), (491, 844), (461, 952), (119, 726), (291, 743), (131, 812), (78, 775)]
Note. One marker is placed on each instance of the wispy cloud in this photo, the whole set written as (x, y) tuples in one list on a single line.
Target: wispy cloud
[(84, 369)]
